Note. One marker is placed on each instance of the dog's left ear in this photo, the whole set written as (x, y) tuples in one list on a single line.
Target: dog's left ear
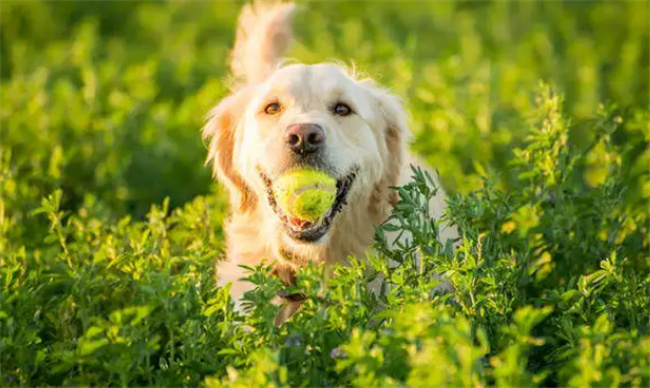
[(397, 135)]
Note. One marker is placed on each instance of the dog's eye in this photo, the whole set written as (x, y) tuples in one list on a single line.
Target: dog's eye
[(272, 108), (342, 109)]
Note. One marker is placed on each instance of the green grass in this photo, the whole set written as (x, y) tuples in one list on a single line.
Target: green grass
[(535, 114)]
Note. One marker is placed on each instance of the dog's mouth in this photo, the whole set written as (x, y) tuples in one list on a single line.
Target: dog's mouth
[(306, 230)]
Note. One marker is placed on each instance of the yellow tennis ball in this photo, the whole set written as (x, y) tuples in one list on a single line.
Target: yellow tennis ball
[(305, 194)]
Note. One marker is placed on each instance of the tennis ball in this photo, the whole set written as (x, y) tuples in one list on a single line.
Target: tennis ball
[(305, 194)]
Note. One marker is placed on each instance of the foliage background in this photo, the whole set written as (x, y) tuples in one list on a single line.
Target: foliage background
[(110, 224)]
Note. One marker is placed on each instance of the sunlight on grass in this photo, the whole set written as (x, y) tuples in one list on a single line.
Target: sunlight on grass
[(534, 113)]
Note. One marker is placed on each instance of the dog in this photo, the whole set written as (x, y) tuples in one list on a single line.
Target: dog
[(281, 117)]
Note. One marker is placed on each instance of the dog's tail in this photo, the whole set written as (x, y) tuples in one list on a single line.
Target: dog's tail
[(263, 36)]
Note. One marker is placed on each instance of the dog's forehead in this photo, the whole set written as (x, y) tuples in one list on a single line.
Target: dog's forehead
[(301, 81)]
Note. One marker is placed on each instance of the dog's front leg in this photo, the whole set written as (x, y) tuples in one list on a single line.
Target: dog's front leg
[(228, 271)]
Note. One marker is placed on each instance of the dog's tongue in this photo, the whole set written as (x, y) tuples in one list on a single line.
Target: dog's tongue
[(298, 222)]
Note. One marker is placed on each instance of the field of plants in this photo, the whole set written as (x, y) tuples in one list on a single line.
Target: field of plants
[(534, 113)]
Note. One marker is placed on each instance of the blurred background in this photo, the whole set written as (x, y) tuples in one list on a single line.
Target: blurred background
[(107, 98)]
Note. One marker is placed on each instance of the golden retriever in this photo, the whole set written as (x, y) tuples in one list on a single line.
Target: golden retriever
[(282, 117)]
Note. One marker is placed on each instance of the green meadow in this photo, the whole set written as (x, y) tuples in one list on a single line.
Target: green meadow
[(535, 114)]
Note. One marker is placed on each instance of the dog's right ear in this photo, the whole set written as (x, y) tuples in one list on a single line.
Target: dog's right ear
[(222, 125)]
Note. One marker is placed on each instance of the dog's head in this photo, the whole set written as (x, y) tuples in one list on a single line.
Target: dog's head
[(316, 116)]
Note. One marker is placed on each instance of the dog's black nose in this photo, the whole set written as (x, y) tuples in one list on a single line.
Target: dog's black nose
[(304, 138)]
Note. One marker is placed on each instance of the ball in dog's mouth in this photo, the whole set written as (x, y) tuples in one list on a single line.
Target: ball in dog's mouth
[(304, 230)]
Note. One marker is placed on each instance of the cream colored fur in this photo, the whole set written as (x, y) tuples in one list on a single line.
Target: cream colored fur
[(244, 140)]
